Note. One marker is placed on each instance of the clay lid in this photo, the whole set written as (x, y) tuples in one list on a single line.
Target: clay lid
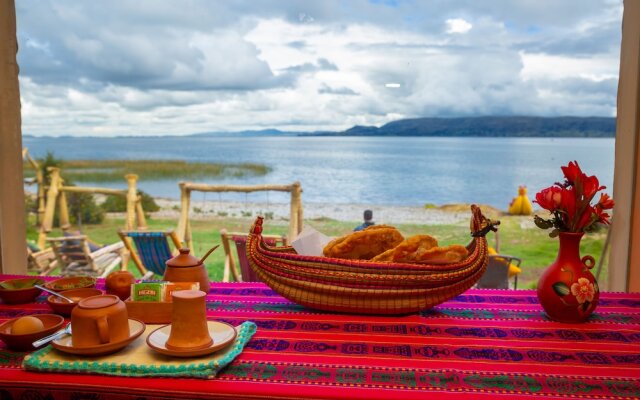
[(184, 259), (98, 301), (188, 294)]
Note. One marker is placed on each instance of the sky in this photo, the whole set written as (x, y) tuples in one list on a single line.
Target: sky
[(151, 67)]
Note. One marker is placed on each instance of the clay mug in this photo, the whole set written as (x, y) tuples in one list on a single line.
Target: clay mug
[(189, 329), (99, 320)]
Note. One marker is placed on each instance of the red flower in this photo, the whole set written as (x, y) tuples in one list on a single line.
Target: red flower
[(569, 202), (572, 171), (549, 198), (590, 186), (603, 217), (585, 219), (606, 202)]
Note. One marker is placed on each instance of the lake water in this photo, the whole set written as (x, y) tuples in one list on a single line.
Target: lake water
[(361, 170)]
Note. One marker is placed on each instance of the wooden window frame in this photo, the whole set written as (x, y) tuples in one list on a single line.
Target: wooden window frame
[(624, 261)]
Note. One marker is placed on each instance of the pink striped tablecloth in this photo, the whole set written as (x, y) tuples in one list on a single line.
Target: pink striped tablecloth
[(481, 344)]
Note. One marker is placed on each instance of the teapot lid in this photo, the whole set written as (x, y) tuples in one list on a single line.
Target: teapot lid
[(184, 259)]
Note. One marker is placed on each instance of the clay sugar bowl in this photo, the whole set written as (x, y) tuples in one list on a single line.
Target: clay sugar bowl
[(186, 268), (19, 291), (63, 307), (76, 282), (29, 329)]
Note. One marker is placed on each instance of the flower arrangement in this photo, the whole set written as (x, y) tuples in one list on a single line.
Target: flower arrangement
[(569, 203)]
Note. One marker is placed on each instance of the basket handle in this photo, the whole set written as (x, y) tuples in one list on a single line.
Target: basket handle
[(480, 225), (256, 228)]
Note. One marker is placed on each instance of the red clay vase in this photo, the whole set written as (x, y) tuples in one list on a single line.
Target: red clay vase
[(567, 290)]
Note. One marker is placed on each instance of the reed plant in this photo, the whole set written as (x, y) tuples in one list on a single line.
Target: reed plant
[(114, 170)]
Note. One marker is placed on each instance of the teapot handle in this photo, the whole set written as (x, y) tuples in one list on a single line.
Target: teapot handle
[(208, 252)]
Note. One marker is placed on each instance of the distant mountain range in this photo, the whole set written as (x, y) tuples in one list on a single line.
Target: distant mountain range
[(490, 126), (516, 126)]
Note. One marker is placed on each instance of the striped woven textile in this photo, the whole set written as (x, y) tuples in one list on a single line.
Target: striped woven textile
[(153, 250), (481, 344)]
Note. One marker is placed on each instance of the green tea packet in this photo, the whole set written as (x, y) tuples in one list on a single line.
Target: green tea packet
[(147, 291)]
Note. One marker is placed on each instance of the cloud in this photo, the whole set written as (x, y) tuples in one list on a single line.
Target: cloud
[(458, 25), (342, 91), (150, 67)]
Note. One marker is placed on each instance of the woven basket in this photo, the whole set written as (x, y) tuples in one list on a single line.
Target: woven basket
[(366, 287)]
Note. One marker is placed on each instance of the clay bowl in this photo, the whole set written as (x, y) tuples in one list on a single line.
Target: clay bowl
[(76, 282), (63, 307), (23, 342), (19, 291)]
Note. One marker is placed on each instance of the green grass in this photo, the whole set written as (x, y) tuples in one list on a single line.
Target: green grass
[(114, 170), (536, 249)]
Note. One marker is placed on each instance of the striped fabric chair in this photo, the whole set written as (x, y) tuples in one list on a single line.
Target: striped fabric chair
[(245, 274), (150, 250)]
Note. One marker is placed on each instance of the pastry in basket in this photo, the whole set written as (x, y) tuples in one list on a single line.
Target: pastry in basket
[(443, 255), (423, 249), (409, 250), (364, 244)]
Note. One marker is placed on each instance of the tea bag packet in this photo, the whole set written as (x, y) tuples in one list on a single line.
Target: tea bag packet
[(171, 287), (310, 242), (148, 291)]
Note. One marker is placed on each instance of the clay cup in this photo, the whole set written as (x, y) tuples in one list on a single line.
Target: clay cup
[(99, 320), (189, 328)]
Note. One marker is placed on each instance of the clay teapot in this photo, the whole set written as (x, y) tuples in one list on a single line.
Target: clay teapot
[(186, 268)]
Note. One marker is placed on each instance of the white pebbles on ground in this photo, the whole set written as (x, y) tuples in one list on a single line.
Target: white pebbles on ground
[(382, 214)]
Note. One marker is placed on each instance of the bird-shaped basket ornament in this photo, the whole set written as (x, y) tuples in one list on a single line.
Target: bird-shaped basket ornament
[(367, 287)]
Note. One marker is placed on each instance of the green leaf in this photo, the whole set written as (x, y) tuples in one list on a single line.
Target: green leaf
[(561, 289), (542, 223), (585, 306)]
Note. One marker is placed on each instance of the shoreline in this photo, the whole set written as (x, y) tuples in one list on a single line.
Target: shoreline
[(382, 214)]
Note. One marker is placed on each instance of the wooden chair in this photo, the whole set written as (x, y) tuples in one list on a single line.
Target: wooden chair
[(42, 261), (497, 274), (245, 274), (151, 250), (76, 258)]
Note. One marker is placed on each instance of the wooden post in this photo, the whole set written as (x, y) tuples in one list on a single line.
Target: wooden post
[(296, 209), (64, 212), (39, 182), (183, 222), (132, 197), (624, 258), (50, 205), (142, 221), (13, 250), (41, 195)]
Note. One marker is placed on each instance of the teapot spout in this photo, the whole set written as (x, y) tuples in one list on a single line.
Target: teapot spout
[(208, 252)]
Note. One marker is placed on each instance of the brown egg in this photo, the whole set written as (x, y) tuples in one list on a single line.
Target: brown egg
[(25, 325)]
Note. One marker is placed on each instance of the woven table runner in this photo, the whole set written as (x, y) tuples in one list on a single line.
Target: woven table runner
[(138, 359)]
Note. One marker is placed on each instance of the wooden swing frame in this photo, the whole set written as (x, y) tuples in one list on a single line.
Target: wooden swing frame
[(57, 193), (184, 224)]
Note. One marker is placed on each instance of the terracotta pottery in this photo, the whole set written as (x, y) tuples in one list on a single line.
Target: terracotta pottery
[(189, 328), (65, 343), (20, 291), (222, 334), (76, 282), (99, 320), (186, 268), (63, 307), (23, 342), (567, 290), (119, 284)]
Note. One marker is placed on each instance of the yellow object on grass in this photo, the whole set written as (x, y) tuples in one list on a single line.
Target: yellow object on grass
[(513, 269), (521, 204)]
